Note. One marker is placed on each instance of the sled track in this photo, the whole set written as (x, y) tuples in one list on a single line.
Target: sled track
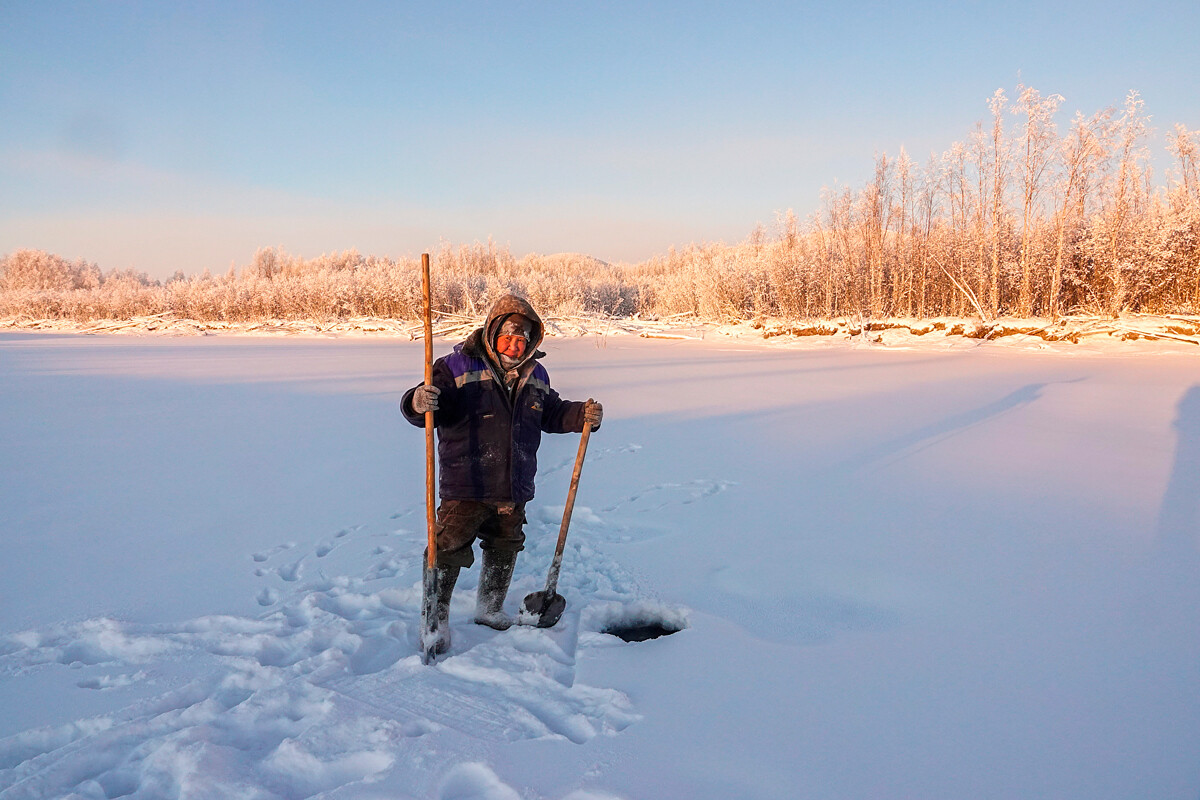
[(428, 696)]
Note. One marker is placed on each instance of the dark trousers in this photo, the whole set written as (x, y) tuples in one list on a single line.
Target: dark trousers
[(498, 526)]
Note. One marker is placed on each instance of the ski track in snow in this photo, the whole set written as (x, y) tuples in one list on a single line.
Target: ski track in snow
[(661, 495), (594, 454), (325, 688)]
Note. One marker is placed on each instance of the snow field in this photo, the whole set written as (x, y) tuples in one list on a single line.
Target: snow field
[(900, 574)]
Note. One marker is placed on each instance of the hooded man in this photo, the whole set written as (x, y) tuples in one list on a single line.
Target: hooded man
[(492, 401)]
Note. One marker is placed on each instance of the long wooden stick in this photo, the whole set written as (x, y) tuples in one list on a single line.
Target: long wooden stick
[(556, 564), (430, 468), (430, 635)]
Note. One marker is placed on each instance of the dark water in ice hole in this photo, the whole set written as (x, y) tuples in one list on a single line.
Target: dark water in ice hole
[(640, 631)]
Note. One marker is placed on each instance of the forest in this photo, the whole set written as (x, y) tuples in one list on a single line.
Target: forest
[(1028, 216)]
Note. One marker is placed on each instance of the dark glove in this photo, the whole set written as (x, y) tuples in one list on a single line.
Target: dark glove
[(425, 398), (593, 413)]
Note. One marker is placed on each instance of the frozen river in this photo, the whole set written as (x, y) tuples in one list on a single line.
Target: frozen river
[(928, 573)]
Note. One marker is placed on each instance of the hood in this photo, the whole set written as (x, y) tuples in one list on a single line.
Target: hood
[(505, 307)]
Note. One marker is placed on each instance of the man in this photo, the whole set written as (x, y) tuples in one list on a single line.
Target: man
[(491, 401)]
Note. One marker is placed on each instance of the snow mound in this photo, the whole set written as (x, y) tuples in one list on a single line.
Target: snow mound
[(474, 781)]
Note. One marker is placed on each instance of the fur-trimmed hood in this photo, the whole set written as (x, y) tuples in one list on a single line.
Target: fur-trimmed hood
[(482, 341)]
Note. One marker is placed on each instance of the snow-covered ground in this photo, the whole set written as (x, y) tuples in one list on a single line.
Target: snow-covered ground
[(939, 572)]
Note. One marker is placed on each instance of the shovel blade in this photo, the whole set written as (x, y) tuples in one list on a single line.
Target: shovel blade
[(542, 609)]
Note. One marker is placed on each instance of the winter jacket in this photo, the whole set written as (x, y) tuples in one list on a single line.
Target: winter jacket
[(488, 434)]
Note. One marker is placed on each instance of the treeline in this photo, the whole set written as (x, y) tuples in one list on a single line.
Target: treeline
[(1018, 219), (277, 285)]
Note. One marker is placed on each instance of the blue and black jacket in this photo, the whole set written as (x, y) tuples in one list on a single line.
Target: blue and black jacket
[(488, 433)]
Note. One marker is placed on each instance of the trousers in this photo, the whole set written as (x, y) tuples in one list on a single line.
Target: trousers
[(498, 526)]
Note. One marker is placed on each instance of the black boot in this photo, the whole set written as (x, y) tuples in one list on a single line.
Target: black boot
[(493, 587), (446, 578)]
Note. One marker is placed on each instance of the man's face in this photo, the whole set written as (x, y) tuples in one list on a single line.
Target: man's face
[(511, 346)]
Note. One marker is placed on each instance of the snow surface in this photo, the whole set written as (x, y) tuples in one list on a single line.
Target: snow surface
[(928, 572)]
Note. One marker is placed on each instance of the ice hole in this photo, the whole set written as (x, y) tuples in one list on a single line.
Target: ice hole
[(636, 622), (641, 631)]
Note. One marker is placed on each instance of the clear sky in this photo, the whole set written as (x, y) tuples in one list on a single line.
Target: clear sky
[(184, 135)]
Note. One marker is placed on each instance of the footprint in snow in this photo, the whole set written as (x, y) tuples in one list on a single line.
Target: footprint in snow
[(291, 572), (389, 567), (266, 555), (286, 572)]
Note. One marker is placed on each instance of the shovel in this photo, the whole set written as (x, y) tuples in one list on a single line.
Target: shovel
[(545, 608)]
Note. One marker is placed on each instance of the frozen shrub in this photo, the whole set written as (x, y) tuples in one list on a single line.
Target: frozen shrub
[(41, 271)]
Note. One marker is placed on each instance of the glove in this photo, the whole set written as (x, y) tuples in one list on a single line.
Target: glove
[(593, 414), (425, 398)]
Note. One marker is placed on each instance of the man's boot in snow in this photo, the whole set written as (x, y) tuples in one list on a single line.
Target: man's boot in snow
[(493, 587), (446, 578)]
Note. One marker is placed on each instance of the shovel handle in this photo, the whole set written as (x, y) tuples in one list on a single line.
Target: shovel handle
[(552, 578)]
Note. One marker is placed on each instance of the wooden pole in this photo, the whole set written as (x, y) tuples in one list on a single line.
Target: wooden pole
[(429, 584), (430, 467)]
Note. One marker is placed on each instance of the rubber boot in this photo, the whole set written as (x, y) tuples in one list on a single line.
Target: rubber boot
[(493, 587), (447, 577)]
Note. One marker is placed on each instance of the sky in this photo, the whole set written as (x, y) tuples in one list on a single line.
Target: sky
[(164, 136)]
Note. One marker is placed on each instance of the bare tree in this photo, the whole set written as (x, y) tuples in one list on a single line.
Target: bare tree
[(1080, 154), (1000, 157), (1038, 137), (1185, 145), (903, 281), (1124, 197)]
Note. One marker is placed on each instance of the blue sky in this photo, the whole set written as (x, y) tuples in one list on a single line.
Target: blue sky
[(164, 136)]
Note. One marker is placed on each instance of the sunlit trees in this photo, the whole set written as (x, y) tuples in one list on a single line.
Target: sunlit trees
[(1021, 222)]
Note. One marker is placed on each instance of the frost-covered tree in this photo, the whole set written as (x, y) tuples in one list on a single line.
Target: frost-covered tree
[(1037, 140)]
